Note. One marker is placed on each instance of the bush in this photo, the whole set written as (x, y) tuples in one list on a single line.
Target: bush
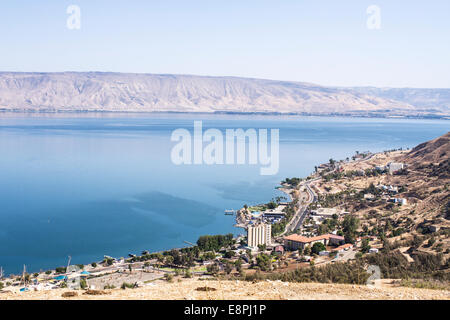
[(60, 269), (83, 284), (126, 285), (228, 267), (263, 261), (168, 277), (109, 286), (339, 272), (212, 269), (187, 273)]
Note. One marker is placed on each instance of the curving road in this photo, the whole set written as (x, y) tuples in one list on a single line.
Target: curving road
[(304, 201)]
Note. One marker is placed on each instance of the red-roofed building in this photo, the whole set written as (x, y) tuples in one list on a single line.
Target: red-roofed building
[(343, 247), (295, 241)]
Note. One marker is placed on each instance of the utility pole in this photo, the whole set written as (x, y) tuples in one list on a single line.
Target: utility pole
[(68, 263), (23, 275), (67, 269)]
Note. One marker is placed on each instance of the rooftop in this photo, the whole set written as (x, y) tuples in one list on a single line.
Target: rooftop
[(299, 238)]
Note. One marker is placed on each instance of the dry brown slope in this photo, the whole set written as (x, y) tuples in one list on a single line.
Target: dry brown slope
[(226, 290), (436, 150)]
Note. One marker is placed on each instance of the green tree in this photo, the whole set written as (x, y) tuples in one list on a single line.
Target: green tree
[(214, 243), (271, 205), (317, 247), (349, 226), (365, 247), (307, 250), (263, 261), (169, 260)]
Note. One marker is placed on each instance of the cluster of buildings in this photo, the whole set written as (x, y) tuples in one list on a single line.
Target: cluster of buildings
[(269, 216), (387, 191), (317, 216), (274, 215), (391, 167)]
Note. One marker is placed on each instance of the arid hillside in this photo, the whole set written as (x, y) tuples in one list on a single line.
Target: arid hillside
[(409, 208), (434, 151), (126, 92), (189, 289)]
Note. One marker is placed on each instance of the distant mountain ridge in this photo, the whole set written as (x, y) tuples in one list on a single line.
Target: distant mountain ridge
[(126, 92)]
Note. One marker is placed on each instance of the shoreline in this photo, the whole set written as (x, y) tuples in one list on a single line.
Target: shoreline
[(282, 189), (228, 113)]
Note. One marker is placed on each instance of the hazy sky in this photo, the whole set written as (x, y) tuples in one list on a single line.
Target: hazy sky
[(324, 42)]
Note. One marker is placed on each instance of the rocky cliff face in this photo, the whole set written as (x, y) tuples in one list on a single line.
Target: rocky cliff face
[(94, 91)]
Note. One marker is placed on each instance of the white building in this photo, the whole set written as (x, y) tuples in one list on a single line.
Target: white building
[(259, 234), (327, 213), (395, 166), (401, 201)]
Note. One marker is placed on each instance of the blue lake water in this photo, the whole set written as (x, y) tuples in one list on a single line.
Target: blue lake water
[(87, 185)]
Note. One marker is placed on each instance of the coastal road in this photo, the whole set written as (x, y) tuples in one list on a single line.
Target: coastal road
[(304, 201), (311, 198)]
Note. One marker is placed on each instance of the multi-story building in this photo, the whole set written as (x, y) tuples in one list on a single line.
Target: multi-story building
[(259, 234)]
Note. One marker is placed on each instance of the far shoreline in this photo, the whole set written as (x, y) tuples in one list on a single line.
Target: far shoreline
[(349, 115)]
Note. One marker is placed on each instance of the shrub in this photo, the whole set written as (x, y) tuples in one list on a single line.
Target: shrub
[(212, 269), (187, 273), (83, 284), (168, 277), (109, 286), (60, 269), (126, 285)]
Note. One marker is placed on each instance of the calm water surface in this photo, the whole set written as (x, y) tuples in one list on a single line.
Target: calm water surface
[(90, 185)]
